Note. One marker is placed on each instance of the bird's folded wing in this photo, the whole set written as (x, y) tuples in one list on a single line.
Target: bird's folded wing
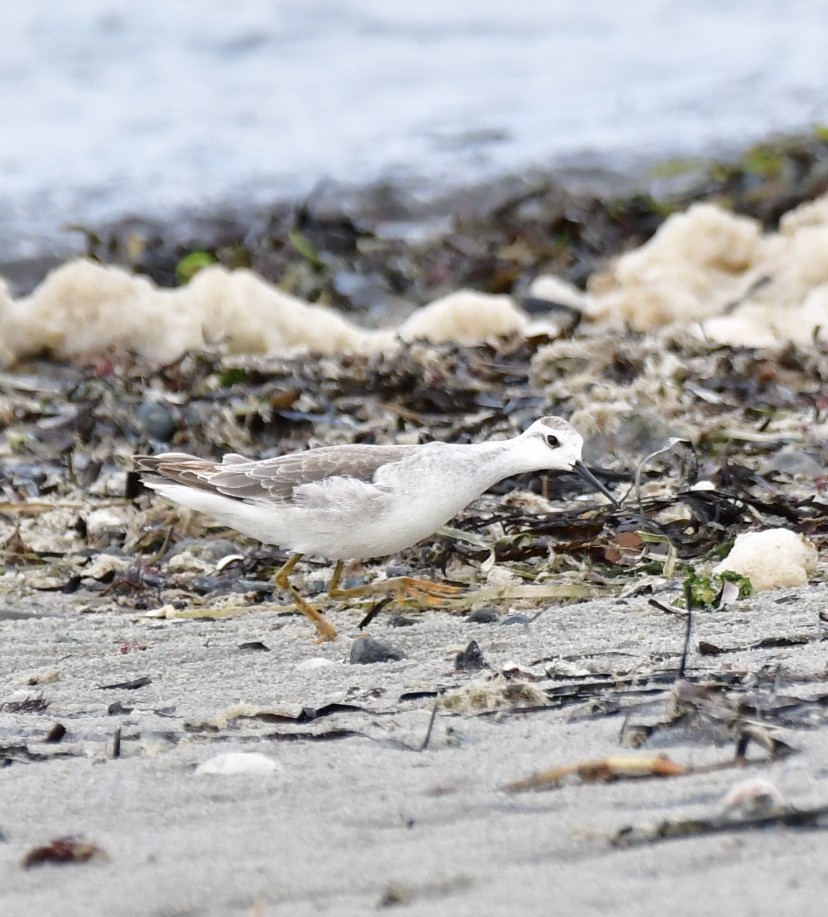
[(278, 478), (274, 480)]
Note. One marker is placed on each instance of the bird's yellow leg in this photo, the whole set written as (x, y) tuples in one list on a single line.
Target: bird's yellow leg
[(324, 628), (404, 587)]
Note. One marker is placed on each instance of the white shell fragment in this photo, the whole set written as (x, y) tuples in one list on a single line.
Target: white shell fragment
[(227, 560), (232, 763), (755, 796), (773, 558)]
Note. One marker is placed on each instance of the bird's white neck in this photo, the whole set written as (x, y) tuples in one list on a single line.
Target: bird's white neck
[(482, 465)]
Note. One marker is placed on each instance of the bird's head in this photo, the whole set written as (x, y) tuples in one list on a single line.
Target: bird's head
[(553, 444)]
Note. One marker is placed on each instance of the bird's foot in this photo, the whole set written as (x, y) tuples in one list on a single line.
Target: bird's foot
[(403, 588), (422, 590), (325, 630)]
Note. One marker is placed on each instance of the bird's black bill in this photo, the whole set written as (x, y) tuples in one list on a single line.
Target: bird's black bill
[(581, 469)]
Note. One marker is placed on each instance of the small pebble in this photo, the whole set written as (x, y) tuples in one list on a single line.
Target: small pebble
[(515, 619), (253, 646), (365, 650), (392, 570), (157, 421), (795, 463), (56, 733), (209, 549), (401, 621), (118, 709), (470, 660), (483, 616)]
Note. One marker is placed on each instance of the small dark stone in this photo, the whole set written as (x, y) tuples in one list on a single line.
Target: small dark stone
[(470, 660), (71, 585), (118, 709), (56, 733), (156, 420), (209, 549), (392, 570), (366, 650), (515, 619), (253, 646), (483, 616), (401, 621), (206, 585), (152, 580), (87, 470), (795, 463)]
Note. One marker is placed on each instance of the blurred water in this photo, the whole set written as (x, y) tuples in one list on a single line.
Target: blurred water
[(108, 108)]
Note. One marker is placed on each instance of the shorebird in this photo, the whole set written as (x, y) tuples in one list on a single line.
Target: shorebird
[(358, 501)]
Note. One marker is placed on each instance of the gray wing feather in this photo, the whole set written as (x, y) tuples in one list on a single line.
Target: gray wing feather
[(272, 479)]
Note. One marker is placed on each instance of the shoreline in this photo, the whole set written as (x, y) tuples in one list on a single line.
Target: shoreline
[(399, 213)]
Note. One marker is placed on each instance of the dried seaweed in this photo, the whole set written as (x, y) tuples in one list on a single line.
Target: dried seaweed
[(812, 818), (37, 704), (62, 851), (131, 685), (602, 771), (363, 248)]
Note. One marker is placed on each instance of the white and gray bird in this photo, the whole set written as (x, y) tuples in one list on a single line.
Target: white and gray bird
[(358, 501)]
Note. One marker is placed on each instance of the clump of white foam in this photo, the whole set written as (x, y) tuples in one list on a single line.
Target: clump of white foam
[(87, 308), (706, 269), (460, 317), (84, 308), (694, 266), (717, 272), (775, 557)]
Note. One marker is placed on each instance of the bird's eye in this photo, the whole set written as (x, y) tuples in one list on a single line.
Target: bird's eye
[(552, 441)]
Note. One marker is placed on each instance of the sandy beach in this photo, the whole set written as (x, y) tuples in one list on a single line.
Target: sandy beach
[(347, 224), (352, 824)]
